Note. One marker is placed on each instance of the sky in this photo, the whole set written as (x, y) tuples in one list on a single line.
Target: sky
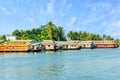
[(94, 16)]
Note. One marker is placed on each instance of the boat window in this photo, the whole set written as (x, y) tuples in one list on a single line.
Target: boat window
[(48, 45)]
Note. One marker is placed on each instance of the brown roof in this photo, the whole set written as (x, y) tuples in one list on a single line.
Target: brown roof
[(66, 43)]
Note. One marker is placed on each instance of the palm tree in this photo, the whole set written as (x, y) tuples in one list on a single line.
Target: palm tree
[(104, 37), (108, 37), (23, 35), (80, 35), (75, 36), (50, 30), (70, 35), (60, 33)]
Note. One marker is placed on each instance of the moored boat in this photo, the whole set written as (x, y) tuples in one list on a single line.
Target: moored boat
[(19, 46)]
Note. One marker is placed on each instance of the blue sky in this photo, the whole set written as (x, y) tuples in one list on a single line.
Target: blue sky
[(94, 16)]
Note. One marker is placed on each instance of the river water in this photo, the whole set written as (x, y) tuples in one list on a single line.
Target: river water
[(89, 64)]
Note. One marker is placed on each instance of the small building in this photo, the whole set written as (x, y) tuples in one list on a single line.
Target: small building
[(11, 38), (48, 45), (105, 44), (87, 44)]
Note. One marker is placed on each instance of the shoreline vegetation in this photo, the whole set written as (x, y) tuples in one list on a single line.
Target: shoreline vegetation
[(51, 35)]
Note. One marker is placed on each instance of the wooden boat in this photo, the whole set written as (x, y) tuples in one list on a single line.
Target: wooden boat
[(105, 44)]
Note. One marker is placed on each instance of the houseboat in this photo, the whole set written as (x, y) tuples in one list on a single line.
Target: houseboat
[(18, 46), (105, 44), (86, 44), (67, 45), (48, 45), (61, 45)]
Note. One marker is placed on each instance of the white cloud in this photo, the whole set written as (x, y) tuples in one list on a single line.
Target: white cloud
[(9, 10), (103, 18), (55, 11), (22, 1), (30, 21), (97, 12), (68, 6), (73, 20), (6, 11), (50, 8), (71, 23), (113, 28), (92, 19)]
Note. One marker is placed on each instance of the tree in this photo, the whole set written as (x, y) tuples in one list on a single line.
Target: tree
[(108, 37), (3, 37), (80, 35), (104, 37), (117, 41), (16, 33), (60, 33), (23, 35), (70, 35), (51, 30)]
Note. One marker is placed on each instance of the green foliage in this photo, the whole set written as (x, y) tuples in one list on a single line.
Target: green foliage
[(117, 41), (84, 36), (3, 37), (45, 32), (16, 33)]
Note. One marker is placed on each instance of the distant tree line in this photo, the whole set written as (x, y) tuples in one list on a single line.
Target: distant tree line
[(84, 36), (52, 32)]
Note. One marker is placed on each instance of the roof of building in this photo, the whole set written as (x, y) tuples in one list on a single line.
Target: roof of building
[(86, 42), (48, 42), (66, 43), (22, 41), (104, 42)]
